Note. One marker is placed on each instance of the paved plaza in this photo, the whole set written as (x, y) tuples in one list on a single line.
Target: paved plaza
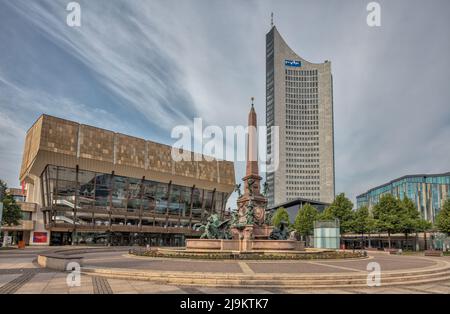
[(20, 274)]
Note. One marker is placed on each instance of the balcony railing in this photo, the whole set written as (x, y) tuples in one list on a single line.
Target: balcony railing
[(122, 228), (120, 213)]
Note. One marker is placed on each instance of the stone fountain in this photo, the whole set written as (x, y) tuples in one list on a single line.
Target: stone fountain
[(249, 228)]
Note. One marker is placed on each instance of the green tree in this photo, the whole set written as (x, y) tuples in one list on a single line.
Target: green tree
[(280, 215), (443, 218), (304, 221), (423, 226), (325, 215), (342, 209), (409, 217), (371, 227), (11, 211), (360, 223), (3, 188), (387, 213)]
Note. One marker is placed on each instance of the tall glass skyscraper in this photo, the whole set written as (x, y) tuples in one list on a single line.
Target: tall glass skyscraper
[(299, 100), (427, 191)]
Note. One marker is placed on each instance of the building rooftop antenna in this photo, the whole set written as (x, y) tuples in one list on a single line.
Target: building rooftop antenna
[(271, 19)]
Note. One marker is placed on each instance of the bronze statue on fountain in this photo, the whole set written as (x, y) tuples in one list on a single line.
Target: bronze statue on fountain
[(250, 227), (214, 228)]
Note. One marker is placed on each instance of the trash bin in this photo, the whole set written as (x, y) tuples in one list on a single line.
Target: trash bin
[(21, 244)]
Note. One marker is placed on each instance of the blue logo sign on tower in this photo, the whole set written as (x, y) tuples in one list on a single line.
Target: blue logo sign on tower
[(291, 63)]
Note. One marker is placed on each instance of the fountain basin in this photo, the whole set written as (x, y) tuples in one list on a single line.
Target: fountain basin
[(214, 254), (244, 245)]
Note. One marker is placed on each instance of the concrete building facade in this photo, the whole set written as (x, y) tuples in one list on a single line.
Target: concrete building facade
[(299, 100), (91, 185)]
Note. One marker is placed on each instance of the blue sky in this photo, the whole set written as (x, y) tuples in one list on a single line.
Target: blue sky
[(142, 67)]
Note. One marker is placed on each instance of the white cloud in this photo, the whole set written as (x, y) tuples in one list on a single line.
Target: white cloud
[(114, 43), (19, 107), (170, 61)]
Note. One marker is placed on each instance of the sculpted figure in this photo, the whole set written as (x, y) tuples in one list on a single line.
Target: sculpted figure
[(280, 233), (237, 188), (214, 228), (250, 214), (250, 183)]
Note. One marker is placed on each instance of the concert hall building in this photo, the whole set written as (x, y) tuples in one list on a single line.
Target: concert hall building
[(94, 186)]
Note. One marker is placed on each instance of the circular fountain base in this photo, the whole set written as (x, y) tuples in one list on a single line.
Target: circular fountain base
[(244, 245), (217, 254)]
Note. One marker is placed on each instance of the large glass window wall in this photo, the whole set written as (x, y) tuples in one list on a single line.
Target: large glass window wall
[(428, 193), (85, 198)]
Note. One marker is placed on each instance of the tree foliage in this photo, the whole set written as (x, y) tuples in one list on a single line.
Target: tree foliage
[(3, 188), (280, 215), (409, 216), (11, 211), (342, 209), (423, 225), (304, 221), (443, 218), (361, 220), (393, 215), (386, 212)]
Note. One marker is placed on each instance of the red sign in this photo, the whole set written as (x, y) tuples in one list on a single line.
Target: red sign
[(40, 237)]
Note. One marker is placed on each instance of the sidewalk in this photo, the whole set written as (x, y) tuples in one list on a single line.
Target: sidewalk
[(55, 283)]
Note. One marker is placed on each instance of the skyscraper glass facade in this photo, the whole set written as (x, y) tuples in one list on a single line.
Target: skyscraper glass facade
[(428, 192)]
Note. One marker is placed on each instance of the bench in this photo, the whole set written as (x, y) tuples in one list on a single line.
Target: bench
[(393, 251), (433, 253)]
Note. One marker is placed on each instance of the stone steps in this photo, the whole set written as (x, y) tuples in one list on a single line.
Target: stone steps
[(410, 277)]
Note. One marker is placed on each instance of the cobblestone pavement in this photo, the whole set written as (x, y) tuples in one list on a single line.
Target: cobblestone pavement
[(101, 285), (19, 274)]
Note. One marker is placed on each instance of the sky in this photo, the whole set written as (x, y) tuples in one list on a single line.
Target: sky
[(144, 67)]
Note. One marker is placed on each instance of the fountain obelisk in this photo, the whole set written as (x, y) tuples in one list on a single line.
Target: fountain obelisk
[(250, 220)]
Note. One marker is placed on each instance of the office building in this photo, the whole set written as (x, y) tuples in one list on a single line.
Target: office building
[(427, 191), (299, 100)]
